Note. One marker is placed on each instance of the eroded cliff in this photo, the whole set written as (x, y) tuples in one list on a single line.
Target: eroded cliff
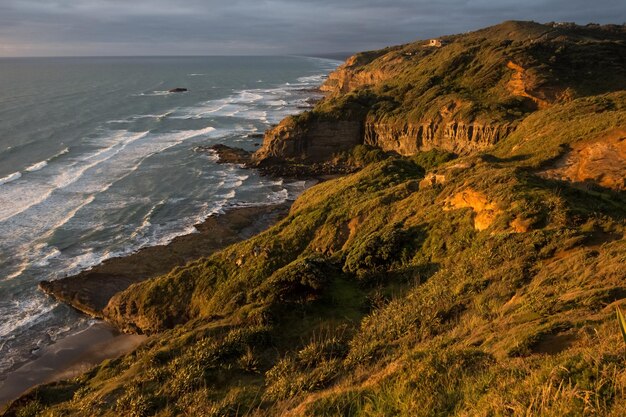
[(463, 96)]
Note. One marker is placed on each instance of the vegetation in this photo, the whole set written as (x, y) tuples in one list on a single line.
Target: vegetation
[(470, 77), (379, 294)]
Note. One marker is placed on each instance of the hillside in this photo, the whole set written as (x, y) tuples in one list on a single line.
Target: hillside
[(463, 96), (463, 274)]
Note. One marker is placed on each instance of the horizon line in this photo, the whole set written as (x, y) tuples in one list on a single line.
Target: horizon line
[(307, 55)]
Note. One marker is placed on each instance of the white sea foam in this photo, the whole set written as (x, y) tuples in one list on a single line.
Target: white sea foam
[(25, 312), (16, 200), (63, 152), (18, 270), (69, 194), (37, 166), (51, 253), (312, 79), (11, 177), (154, 93), (145, 223), (42, 164)]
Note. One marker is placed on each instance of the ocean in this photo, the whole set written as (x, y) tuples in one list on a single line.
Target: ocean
[(97, 160)]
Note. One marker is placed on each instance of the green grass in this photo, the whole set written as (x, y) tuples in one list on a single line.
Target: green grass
[(373, 297)]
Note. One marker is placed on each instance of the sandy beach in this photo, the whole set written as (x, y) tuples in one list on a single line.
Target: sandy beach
[(67, 358)]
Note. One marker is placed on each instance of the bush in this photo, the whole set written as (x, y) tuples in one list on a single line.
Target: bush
[(433, 158), (301, 281), (378, 252)]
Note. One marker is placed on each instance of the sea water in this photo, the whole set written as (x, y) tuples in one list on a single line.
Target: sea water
[(97, 160)]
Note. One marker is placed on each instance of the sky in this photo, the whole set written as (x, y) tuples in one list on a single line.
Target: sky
[(262, 27)]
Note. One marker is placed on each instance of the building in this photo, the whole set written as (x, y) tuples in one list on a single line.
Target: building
[(437, 43)]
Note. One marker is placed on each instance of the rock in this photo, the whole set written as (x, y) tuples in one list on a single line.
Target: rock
[(255, 135), (455, 136), (521, 224), (227, 154), (430, 180), (601, 161), (485, 210), (309, 140), (349, 77), (177, 90)]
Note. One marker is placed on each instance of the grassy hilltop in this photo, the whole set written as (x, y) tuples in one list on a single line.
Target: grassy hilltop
[(473, 283)]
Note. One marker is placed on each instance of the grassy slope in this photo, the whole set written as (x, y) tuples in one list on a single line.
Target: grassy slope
[(469, 74), (371, 299)]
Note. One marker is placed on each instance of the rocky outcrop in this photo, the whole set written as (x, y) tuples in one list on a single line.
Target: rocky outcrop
[(227, 154), (601, 162), (485, 210), (351, 76), (455, 136), (91, 291), (320, 140), (310, 140)]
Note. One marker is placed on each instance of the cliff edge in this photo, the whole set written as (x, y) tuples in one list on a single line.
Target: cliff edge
[(461, 93)]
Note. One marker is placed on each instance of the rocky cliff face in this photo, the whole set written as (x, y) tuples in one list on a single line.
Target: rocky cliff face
[(349, 77), (494, 78), (455, 136), (314, 140)]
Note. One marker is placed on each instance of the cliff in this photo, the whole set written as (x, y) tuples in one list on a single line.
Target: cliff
[(310, 140), (463, 97), (478, 282)]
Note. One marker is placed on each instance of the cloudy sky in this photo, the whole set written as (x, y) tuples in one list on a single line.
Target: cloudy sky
[(230, 27)]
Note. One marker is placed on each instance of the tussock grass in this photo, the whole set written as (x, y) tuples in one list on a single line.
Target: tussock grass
[(374, 297)]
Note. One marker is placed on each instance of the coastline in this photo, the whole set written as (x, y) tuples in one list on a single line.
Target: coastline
[(69, 357), (90, 290)]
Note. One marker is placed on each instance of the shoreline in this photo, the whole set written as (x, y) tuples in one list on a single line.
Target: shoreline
[(90, 290), (68, 357)]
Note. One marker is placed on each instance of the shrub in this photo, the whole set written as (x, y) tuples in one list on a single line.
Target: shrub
[(301, 281), (378, 252)]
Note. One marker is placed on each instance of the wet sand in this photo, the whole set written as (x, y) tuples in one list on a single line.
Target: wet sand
[(67, 358)]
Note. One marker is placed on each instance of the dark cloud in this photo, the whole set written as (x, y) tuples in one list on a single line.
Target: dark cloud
[(147, 27)]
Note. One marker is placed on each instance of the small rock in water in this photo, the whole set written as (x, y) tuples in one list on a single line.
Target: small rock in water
[(177, 90)]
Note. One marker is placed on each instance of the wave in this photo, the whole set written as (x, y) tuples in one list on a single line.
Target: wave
[(37, 166), (313, 79), (125, 153), (152, 116), (154, 93), (42, 164), (145, 222), (10, 178), (23, 198), (25, 312)]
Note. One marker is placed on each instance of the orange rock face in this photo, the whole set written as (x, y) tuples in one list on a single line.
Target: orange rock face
[(601, 161), (519, 85), (486, 210)]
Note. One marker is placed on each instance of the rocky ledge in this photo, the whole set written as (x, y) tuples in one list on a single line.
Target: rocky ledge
[(227, 154), (277, 167), (90, 291)]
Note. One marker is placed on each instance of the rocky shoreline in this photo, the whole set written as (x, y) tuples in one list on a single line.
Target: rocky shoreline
[(91, 290), (277, 167)]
